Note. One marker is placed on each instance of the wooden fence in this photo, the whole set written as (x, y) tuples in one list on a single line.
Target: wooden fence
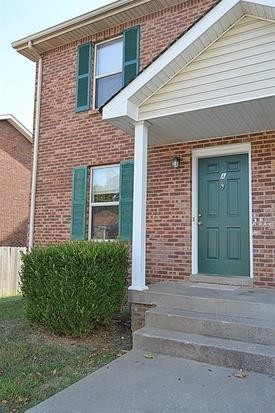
[(10, 263)]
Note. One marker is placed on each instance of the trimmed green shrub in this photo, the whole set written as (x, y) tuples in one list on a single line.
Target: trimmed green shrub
[(71, 288)]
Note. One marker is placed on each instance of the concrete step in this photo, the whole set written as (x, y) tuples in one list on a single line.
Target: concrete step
[(222, 352), (242, 302), (215, 325)]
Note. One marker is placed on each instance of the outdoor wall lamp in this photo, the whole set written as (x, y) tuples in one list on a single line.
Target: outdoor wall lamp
[(175, 162)]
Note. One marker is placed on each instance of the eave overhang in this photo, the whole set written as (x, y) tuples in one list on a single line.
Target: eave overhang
[(106, 17)]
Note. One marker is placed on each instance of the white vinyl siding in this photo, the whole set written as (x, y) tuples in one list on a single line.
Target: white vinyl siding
[(238, 67)]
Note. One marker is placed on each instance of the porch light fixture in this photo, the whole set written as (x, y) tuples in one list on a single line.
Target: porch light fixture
[(175, 162)]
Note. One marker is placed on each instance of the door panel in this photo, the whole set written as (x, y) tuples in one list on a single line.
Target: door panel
[(233, 243), (233, 197), (212, 199), (213, 242), (224, 215)]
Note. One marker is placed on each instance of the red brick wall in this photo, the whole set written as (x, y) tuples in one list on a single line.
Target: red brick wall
[(15, 162), (170, 211), (68, 139)]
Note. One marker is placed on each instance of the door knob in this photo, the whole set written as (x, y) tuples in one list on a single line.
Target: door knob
[(200, 223)]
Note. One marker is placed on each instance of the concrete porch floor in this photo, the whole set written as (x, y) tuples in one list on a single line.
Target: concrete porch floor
[(218, 291), (135, 384), (222, 290)]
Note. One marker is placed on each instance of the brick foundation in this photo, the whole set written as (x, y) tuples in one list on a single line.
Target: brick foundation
[(138, 315)]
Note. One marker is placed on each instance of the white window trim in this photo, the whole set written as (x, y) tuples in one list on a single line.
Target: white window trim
[(95, 204), (220, 150), (95, 76)]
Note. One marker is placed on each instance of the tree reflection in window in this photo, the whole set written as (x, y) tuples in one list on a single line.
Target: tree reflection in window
[(105, 202)]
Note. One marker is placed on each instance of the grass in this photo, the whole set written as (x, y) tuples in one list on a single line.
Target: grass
[(35, 365)]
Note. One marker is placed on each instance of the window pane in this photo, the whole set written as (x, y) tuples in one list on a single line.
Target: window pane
[(106, 197), (105, 222), (106, 184), (109, 57), (106, 87)]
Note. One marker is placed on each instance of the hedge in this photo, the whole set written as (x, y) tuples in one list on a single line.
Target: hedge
[(73, 287)]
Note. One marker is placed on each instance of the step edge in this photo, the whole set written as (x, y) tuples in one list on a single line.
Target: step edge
[(146, 298), (143, 333), (200, 315)]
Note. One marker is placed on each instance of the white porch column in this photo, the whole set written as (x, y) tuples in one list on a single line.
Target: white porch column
[(139, 207)]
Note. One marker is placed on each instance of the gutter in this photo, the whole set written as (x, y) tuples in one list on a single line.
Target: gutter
[(35, 144)]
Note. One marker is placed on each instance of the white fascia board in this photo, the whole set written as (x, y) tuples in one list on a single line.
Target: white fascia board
[(17, 125), (125, 107), (116, 108), (132, 110)]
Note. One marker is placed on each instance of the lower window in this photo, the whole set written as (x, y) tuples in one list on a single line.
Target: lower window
[(104, 222), (104, 202)]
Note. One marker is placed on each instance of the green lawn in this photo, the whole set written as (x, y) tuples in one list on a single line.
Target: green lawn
[(35, 365)]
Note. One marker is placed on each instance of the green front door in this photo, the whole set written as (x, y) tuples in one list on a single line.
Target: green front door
[(223, 218)]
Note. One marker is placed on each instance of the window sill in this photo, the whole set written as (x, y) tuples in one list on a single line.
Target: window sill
[(94, 112)]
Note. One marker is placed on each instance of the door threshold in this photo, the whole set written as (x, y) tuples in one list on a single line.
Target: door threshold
[(223, 280)]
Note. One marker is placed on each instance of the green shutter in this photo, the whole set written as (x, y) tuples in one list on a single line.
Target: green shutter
[(130, 54), (83, 79), (79, 195), (126, 200)]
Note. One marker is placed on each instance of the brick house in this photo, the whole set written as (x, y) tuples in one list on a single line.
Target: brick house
[(155, 123), (15, 166)]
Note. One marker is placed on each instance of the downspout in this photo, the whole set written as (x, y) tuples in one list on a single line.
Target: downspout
[(35, 144)]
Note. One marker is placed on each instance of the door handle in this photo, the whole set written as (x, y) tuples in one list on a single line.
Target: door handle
[(200, 223)]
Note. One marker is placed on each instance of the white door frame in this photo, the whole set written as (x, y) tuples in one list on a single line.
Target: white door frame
[(219, 150)]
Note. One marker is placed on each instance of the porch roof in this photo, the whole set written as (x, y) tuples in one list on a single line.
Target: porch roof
[(152, 94)]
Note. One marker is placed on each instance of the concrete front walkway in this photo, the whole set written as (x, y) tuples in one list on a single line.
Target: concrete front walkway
[(135, 384)]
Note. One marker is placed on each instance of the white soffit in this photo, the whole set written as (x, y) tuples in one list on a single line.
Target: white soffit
[(235, 119), (197, 39), (87, 24)]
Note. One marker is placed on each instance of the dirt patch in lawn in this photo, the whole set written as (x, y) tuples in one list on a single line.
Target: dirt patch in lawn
[(35, 365)]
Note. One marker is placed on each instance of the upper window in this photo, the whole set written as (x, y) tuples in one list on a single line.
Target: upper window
[(115, 63), (104, 202), (108, 70)]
